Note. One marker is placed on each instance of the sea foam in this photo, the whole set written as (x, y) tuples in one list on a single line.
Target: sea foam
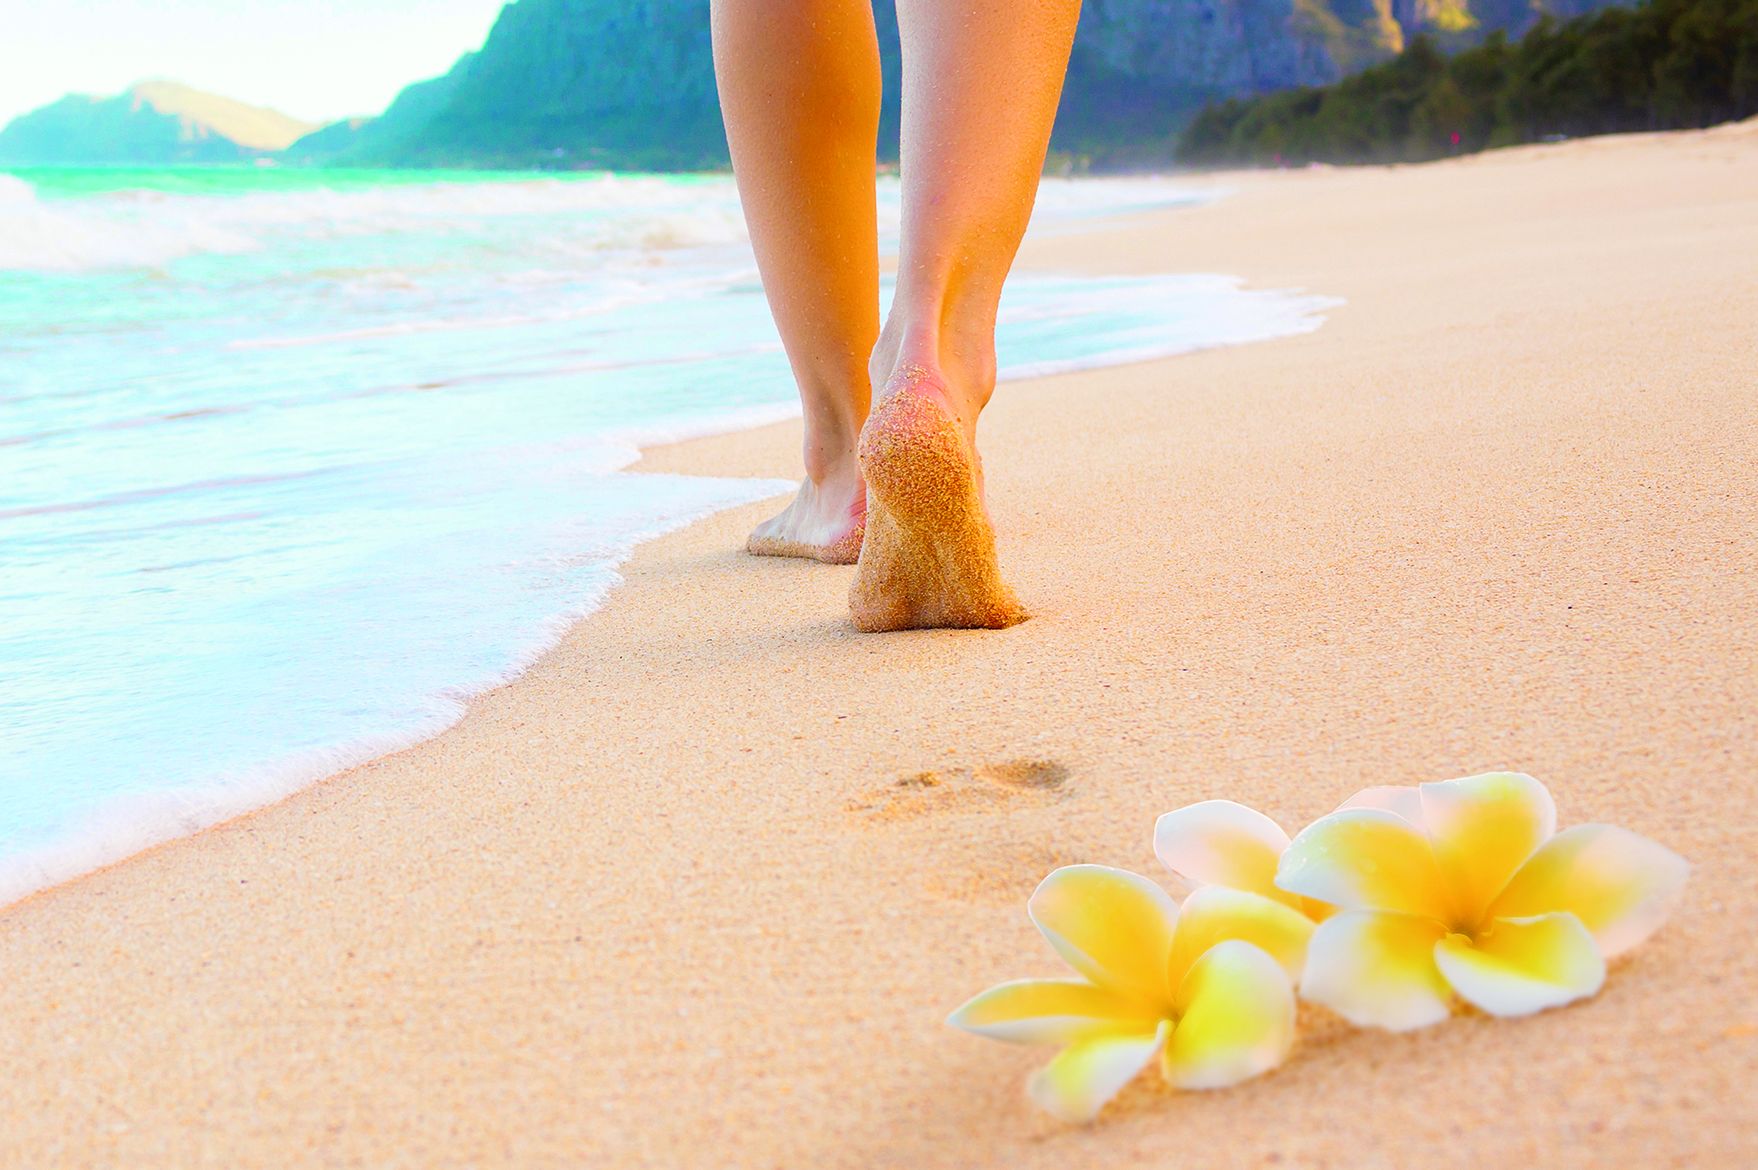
[(580, 217)]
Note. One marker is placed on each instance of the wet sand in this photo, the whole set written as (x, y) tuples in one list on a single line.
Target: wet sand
[(700, 889)]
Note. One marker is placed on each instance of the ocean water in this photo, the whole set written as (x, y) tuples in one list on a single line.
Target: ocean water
[(292, 462)]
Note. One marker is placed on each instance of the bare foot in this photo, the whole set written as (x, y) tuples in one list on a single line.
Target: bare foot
[(824, 522), (929, 558)]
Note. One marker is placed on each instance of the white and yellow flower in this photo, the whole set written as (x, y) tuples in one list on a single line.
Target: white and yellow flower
[(1222, 843), (1208, 990), (1465, 887)]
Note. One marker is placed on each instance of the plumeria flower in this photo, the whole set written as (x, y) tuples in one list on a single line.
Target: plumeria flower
[(1208, 990), (1221, 843), (1465, 887)]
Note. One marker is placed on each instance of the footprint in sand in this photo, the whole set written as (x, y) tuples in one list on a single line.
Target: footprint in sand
[(982, 788)]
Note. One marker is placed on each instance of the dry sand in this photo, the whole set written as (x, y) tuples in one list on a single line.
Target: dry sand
[(699, 890)]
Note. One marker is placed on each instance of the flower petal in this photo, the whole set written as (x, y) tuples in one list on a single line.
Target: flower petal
[(1076, 1085), (1404, 800), (1377, 970), (1619, 884), (1236, 1019), (1112, 926), (1220, 843), (1484, 828), (1365, 859), (1523, 965), (1047, 1011), (1215, 914)]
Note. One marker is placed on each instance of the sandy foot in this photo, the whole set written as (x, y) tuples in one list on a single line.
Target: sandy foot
[(929, 557), (821, 524)]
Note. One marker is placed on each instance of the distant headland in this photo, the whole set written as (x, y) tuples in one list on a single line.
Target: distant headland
[(152, 123)]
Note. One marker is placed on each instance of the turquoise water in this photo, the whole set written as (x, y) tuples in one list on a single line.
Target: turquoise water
[(291, 462)]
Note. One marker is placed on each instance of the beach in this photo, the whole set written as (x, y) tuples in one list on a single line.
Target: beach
[(295, 461), (700, 888)]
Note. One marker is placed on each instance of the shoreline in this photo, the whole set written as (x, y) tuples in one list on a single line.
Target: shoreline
[(664, 886), (129, 825), (1200, 311)]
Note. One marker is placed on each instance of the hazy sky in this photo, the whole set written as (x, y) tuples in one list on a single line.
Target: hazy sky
[(314, 59)]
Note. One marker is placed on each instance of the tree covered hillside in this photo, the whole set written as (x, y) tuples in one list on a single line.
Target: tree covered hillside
[(630, 83), (1669, 64)]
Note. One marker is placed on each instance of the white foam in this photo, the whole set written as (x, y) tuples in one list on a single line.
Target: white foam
[(130, 823), (148, 229), (134, 822), (1225, 314), (43, 237), (581, 216)]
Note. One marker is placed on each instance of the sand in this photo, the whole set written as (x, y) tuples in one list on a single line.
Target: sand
[(700, 889)]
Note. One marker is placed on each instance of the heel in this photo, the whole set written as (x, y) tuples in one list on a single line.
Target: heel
[(914, 460)]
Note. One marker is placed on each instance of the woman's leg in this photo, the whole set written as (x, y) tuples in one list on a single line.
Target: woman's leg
[(799, 90), (981, 79)]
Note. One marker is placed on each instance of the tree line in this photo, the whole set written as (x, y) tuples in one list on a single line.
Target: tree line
[(1669, 64)]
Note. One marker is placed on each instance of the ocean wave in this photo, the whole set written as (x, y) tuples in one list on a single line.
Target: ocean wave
[(549, 220), (37, 236), (561, 219)]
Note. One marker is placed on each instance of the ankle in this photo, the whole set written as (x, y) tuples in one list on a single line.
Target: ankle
[(961, 362), (830, 466), (832, 431)]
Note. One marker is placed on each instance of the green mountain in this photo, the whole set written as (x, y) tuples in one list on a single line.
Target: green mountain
[(573, 83), (630, 83), (1670, 64), (153, 123), (368, 140)]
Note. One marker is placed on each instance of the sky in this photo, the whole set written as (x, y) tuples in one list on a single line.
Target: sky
[(317, 60)]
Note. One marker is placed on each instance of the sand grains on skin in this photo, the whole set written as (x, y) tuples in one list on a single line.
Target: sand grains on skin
[(844, 551), (804, 530), (928, 561)]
